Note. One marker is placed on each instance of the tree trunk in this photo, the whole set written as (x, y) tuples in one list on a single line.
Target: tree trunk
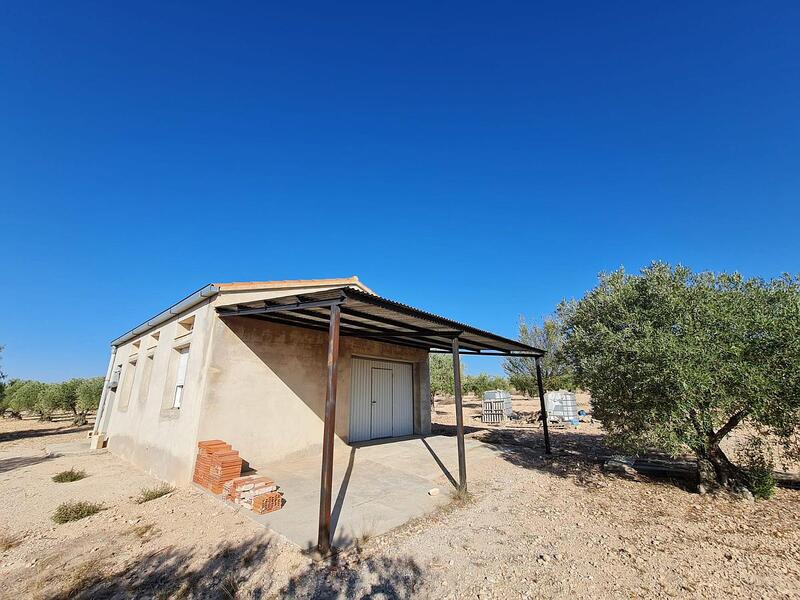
[(715, 468)]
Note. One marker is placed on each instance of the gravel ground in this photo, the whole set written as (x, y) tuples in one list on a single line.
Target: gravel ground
[(533, 526)]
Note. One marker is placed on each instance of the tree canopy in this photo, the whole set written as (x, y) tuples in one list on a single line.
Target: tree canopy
[(556, 372), (442, 381), (676, 360), (441, 374), (78, 396)]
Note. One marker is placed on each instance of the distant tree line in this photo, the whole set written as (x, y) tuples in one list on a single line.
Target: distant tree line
[(557, 373), (78, 396), (442, 380)]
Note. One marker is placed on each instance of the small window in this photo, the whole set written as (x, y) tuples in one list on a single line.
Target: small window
[(127, 384), (180, 380), (135, 347), (152, 340), (185, 327), (144, 384)]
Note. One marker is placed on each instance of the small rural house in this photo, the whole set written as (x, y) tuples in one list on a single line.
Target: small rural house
[(276, 369)]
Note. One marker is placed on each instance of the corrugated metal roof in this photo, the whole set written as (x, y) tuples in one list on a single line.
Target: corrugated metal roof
[(373, 317), (214, 288)]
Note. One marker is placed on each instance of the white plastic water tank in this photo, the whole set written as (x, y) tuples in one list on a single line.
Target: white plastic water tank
[(502, 395), (561, 405)]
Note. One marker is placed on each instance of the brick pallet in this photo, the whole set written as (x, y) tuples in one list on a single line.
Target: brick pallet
[(225, 465), (219, 469), (202, 468), (217, 462)]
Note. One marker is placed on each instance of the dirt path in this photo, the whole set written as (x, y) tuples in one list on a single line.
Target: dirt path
[(535, 526)]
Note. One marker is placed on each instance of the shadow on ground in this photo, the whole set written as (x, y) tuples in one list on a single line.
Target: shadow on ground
[(439, 429), (355, 576), (12, 436), (171, 573), (18, 462), (575, 455)]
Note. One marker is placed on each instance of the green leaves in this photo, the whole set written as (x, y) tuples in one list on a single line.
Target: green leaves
[(661, 346), (88, 393), (442, 381), (556, 373), (441, 374), (76, 395)]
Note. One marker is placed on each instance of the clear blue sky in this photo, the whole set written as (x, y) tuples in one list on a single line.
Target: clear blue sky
[(480, 161)]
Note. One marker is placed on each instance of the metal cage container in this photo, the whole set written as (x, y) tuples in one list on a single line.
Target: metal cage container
[(496, 406)]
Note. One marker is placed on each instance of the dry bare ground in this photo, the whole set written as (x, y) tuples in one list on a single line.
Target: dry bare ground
[(535, 526)]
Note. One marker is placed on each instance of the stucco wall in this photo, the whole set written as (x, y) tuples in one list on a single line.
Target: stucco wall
[(257, 385), (147, 432), (266, 387)]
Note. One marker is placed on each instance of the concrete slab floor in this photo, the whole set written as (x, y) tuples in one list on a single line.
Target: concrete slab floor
[(376, 487)]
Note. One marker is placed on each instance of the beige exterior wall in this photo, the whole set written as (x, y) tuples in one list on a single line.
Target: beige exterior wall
[(143, 428), (267, 384), (259, 386)]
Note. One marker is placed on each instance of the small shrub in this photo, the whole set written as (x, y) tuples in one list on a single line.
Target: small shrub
[(761, 482), (147, 494), (757, 463), (73, 511), (67, 476)]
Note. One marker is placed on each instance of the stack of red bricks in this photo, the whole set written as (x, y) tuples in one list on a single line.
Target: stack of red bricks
[(225, 465), (216, 464), (256, 492)]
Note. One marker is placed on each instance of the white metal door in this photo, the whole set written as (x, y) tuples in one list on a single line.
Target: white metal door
[(403, 395), (381, 402), (381, 399)]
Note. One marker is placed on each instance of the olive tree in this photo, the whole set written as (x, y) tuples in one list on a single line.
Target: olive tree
[(483, 382), (676, 360), (556, 372), (69, 394), (51, 398), (25, 396), (59, 397), (441, 374), (11, 403), (88, 394)]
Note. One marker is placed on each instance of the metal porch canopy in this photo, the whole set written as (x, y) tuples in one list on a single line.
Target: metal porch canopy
[(351, 312), (372, 317)]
